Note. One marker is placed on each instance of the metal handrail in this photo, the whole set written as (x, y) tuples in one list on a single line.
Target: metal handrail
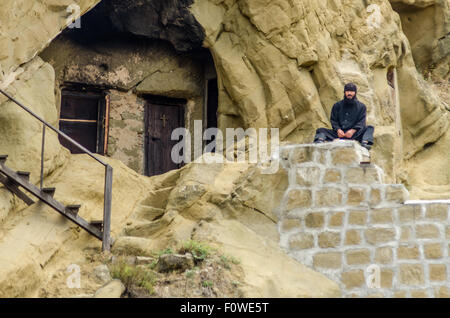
[(106, 241)]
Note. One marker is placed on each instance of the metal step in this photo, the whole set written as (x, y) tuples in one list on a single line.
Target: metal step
[(98, 224), (24, 174), (14, 188), (73, 208), (70, 213), (49, 191)]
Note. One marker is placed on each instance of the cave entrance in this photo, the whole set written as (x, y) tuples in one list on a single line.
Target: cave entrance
[(391, 77), (162, 116), (147, 68), (212, 104), (211, 97), (83, 117)]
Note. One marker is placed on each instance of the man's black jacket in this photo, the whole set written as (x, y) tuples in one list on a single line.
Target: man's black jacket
[(347, 115)]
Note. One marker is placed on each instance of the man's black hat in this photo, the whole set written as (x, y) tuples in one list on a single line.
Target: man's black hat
[(350, 87)]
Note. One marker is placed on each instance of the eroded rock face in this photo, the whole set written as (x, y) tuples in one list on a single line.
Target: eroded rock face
[(281, 64), (426, 23), (233, 207), (170, 262), (23, 133), (114, 289), (284, 64), (168, 20), (27, 27), (125, 64), (286, 71)]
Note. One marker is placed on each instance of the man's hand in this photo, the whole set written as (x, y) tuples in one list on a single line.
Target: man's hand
[(340, 133), (349, 134)]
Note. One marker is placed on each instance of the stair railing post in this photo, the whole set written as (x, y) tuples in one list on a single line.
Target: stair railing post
[(106, 235), (106, 242), (42, 156)]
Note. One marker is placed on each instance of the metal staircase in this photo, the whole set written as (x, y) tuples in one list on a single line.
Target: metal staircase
[(18, 182)]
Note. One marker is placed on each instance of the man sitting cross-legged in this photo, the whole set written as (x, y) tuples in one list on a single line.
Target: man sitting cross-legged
[(348, 119)]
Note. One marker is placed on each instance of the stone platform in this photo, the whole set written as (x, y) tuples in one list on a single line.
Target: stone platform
[(339, 218)]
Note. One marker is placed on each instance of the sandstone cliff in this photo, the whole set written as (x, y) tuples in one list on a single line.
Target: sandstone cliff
[(427, 26), (280, 64), (283, 64)]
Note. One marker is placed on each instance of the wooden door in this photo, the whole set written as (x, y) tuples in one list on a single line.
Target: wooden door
[(82, 118), (161, 119)]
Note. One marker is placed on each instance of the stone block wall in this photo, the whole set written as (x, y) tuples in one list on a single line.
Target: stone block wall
[(126, 135), (338, 217)]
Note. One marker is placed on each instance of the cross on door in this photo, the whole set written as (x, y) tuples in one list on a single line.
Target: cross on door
[(164, 118)]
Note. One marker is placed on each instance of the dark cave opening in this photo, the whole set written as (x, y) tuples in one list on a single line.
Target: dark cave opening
[(105, 43)]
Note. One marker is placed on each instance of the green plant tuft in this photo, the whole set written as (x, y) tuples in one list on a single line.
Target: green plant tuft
[(166, 251), (225, 261), (190, 273), (198, 250), (207, 283), (133, 276)]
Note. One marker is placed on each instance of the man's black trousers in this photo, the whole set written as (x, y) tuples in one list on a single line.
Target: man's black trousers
[(365, 133)]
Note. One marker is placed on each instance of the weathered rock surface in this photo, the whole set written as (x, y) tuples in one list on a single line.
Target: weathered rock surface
[(283, 64), (78, 179), (113, 289), (102, 273), (427, 177), (168, 20), (142, 260), (150, 68), (130, 245), (31, 238), (426, 23), (288, 73), (34, 88), (232, 207), (28, 26), (169, 262), (280, 64)]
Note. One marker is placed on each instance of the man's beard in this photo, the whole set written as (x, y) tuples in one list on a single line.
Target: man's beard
[(350, 101)]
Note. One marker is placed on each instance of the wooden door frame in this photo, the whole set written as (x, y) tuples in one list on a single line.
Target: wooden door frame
[(103, 111), (160, 101)]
